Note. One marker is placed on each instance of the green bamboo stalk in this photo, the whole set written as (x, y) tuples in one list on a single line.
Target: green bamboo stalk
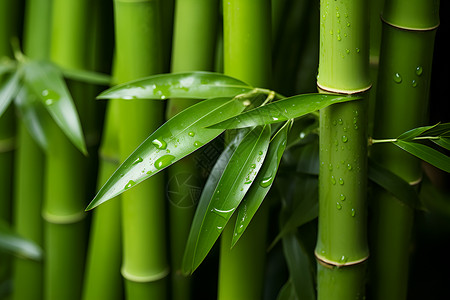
[(9, 20), (409, 29), (342, 248), (247, 56), (138, 36), (28, 275), (193, 50), (65, 192)]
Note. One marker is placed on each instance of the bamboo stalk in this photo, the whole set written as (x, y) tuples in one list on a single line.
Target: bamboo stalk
[(247, 56), (341, 248), (193, 50), (9, 20), (65, 191), (138, 36), (403, 86)]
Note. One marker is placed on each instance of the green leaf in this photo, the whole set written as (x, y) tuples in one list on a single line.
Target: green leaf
[(444, 142), (287, 292), (440, 129), (8, 91), (12, 243), (394, 184), (235, 181), (410, 134), (175, 139), (46, 81), (263, 183), (299, 267), (193, 85), (87, 76), (205, 199), (33, 115), (282, 110), (426, 153)]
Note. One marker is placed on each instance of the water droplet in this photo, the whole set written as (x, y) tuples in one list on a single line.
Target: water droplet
[(341, 181), (240, 228), (253, 166), (164, 161), (357, 50), (160, 144), (419, 70), (198, 144), (340, 122), (397, 78), (349, 166), (339, 37), (266, 181), (333, 180), (348, 24), (191, 133), (342, 197), (338, 206), (338, 15), (344, 139), (219, 228), (414, 83), (347, 51), (137, 160), (330, 167), (224, 213), (343, 259), (129, 184), (260, 153), (50, 97), (353, 212)]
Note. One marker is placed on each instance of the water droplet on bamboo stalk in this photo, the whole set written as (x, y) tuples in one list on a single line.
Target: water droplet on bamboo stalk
[(191, 134), (353, 212), (347, 51), (397, 78), (160, 144), (164, 161), (340, 122), (137, 160), (333, 180), (339, 37), (266, 181), (50, 97), (224, 213), (349, 166), (414, 83), (330, 167), (338, 206), (341, 181), (342, 197), (419, 71), (344, 139), (357, 50), (343, 259), (129, 184)]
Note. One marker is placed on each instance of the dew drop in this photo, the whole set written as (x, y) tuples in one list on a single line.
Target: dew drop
[(347, 51), (340, 122), (191, 133), (357, 50), (129, 184), (343, 259), (160, 144), (419, 71), (198, 144), (414, 83), (266, 181), (341, 181), (226, 214), (342, 197), (137, 161), (353, 212), (397, 78), (344, 139), (338, 206), (240, 228), (349, 166), (330, 167), (164, 161), (50, 97), (333, 180)]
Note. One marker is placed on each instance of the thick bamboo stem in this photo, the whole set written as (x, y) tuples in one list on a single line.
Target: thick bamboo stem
[(193, 50), (343, 68), (138, 39), (403, 87), (247, 56)]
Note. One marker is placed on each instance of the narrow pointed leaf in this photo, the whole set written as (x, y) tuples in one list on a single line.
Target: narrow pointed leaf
[(263, 183), (440, 129), (410, 134), (46, 81), (32, 114), (299, 267), (193, 85), (175, 139), (287, 292), (12, 243), (8, 91), (394, 184), (282, 110), (87, 76), (444, 142), (426, 153), (236, 179), (205, 199)]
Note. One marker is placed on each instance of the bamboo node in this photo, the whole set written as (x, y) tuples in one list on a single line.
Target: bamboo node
[(416, 182), (64, 219), (406, 28), (146, 278), (332, 264), (343, 92)]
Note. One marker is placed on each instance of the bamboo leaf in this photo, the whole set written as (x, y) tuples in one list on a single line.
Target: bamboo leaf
[(410, 134), (263, 182), (12, 243), (205, 199), (444, 142), (175, 139), (45, 80), (440, 129), (87, 76), (282, 110), (299, 268), (426, 153), (32, 114), (392, 183), (193, 85), (287, 292), (8, 91), (235, 181)]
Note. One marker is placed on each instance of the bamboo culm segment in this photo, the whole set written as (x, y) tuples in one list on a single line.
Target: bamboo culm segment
[(138, 36), (247, 56), (403, 86), (193, 50), (342, 247)]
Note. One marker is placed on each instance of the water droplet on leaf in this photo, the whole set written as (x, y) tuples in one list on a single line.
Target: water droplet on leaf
[(164, 161), (159, 144)]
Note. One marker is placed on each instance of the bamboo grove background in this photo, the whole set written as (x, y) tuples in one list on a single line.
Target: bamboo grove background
[(132, 247)]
